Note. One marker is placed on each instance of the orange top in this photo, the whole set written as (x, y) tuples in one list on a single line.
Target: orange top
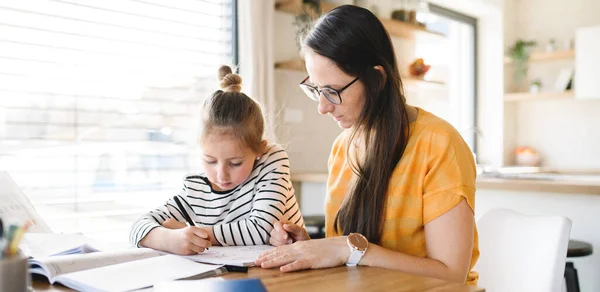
[(435, 173)]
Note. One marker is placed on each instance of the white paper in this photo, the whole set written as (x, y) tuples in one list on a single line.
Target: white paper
[(15, 208), (39, 245), (137, 274), (231, 255)]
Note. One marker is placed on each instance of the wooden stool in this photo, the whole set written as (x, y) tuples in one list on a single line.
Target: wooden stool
[(317, 222), (576, 249)]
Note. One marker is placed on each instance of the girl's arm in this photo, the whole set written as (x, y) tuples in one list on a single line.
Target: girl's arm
[(155, 218), (272, 200)]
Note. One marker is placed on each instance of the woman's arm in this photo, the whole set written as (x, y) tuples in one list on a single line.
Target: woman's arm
[(449, 241)]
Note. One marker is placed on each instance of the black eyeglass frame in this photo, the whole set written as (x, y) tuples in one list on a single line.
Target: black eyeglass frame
[(313, 90)]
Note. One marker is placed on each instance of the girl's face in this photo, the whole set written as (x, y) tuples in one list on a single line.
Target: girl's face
[(324, 72), (227, 161)]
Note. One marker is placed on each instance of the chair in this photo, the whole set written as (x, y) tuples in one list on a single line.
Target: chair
[(576, 249), (522, 253)]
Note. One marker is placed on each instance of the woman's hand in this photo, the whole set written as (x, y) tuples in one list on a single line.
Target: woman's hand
[(311, 254), (287, 233)]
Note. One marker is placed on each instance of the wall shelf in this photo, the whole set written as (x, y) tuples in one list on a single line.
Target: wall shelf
[(395, 28), (409, 81), (409, 31), (544, 56), (296, 65), (295, 6), (524, 96)]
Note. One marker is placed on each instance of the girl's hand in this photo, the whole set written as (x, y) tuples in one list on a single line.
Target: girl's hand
[(173, 224), (311, 254), (188, 240), (287, 233)]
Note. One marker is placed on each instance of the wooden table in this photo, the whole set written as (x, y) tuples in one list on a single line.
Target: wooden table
[(330, 280)]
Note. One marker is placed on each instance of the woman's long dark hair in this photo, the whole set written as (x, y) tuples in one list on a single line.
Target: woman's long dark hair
[(356, 41)]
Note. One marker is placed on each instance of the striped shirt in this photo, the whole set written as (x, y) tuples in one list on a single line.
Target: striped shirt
[(242, 216)]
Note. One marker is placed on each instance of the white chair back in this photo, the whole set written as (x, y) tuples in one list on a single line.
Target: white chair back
[(522, 253)]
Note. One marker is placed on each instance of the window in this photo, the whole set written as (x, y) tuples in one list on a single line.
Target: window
[(99, 103), (456, 56)]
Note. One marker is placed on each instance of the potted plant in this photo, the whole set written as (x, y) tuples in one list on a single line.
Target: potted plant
[(519, 53), (536, 86)]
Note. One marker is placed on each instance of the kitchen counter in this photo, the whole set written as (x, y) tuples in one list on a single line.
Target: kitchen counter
[(537, 185)]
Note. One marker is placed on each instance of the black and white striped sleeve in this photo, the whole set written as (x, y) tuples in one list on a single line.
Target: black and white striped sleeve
[(142, 226), (273, 187)]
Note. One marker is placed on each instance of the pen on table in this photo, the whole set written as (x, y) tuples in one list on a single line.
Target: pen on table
[(185, 214), (236, 269)]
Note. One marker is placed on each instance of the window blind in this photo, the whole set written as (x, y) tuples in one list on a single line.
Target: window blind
[(99, 102)]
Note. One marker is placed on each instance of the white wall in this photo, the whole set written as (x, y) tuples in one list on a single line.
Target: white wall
[(564, 131), (306, 135)]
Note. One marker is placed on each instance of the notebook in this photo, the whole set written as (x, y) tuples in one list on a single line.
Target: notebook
[(138, 274), (241, 256), (213, 285)]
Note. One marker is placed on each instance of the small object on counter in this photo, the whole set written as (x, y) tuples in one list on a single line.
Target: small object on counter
[(418, 68), (551, 46), (527, 156)]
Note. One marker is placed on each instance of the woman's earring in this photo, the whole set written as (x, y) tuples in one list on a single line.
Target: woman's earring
[(257, 157)]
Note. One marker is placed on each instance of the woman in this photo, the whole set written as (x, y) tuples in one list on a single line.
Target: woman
[(399, 177)]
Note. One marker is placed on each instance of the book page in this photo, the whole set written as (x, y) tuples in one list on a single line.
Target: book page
[(15, 207), (58, 265), (137, 274), (231, 255), (39, 245)]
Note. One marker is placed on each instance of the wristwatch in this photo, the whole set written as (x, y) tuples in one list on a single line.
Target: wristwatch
[(358, 246)]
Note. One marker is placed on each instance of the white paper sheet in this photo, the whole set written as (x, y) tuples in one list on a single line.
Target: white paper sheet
[(136, 275), (243, 256), (39, 245), (15, 208)]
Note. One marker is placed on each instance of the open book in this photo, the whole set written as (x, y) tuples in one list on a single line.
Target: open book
[(121, 270), (38, 245), (53, 266)]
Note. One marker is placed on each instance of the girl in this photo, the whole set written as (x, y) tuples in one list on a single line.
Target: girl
[(244, 189), (401, 187)]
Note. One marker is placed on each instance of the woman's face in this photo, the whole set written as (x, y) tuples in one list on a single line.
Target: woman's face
[(324, 72)]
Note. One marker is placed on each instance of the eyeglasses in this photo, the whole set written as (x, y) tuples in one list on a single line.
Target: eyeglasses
[(333, 95)]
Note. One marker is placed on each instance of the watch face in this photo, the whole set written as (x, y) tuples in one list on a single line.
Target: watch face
[(358, 241)]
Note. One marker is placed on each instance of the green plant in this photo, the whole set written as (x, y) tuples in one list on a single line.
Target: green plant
[(519, 53), (536, 82)]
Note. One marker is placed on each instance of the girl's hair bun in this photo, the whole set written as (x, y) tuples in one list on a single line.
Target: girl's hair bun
[(229, 81)]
